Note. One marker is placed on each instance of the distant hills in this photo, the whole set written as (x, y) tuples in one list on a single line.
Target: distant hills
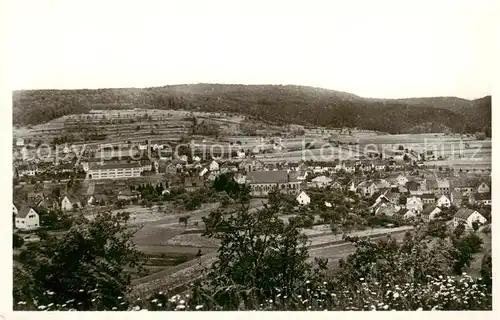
[(273, 103)]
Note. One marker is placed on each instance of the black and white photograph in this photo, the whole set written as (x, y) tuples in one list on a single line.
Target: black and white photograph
[(250, 155)]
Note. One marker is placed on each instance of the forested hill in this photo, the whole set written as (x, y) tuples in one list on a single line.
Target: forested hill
[(276, 103)]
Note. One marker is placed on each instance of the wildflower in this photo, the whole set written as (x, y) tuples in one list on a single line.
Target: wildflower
[(182, 302), (138, 299), (81, 290), (198, 307), (419, 309), (93, 300), (159, 304), (304, 301), (325, 283), (69, 301), (154, 300), (42, 307), (308, 281), (64, 305), (50, 293), (114, 308), (270, 301), (136, 308), (386, 307), (395, 295), (181, 306), (161, 292), (119, 298)]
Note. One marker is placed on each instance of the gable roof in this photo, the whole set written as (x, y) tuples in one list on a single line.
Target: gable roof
[(270, 177), (431, 184), (23, 213), (482, 196), (464, 213), (429, 209)]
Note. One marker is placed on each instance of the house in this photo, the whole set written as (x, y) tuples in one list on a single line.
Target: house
[(456, 198), (431, 186), (414, 203), (303, 198), (393, 197), (483, 188), (193, 183), (69, 202), (19, 142), (336, 186), (430, 212), (349, 166), (147, 165), (428, 198), (379, 165), (262, 182), (91, 200), (28, 170), (443, 186), (367, 189), (401, 180), (321, 182), (406, 213), (128, 195), (302, 175), (27, 219), (214, 166), (240, 154), (483, 199), (443, 202), (65, 168), (462, 185), (414, 187), (239, 178), (251, 165), (203, 172), (467, 217), (387, 209)]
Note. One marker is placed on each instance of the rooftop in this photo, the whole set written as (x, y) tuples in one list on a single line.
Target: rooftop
[(464, 213), (98, 166), (270, 177)]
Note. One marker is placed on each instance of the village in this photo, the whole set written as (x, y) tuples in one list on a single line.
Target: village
[(168, 185)]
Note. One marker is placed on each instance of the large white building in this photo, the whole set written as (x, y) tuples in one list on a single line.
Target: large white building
[(114, 171)]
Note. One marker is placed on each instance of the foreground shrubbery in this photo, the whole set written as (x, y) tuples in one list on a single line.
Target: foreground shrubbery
[(262, 264), (440, 293)]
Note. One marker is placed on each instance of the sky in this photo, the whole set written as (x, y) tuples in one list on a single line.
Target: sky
[(380, 49)]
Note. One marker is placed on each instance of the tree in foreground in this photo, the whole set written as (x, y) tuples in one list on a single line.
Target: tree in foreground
[(90, 265)]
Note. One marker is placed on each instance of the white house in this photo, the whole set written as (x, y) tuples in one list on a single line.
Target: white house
[(303, 198), (468, 216), (203, 172), (430, 213), (240, 154), (214, 166), (302, 175), (68, 203), (321, 181), (401, 180), (483, 188), (20, 142), (414, 203), (27, 219), (443, 201)]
